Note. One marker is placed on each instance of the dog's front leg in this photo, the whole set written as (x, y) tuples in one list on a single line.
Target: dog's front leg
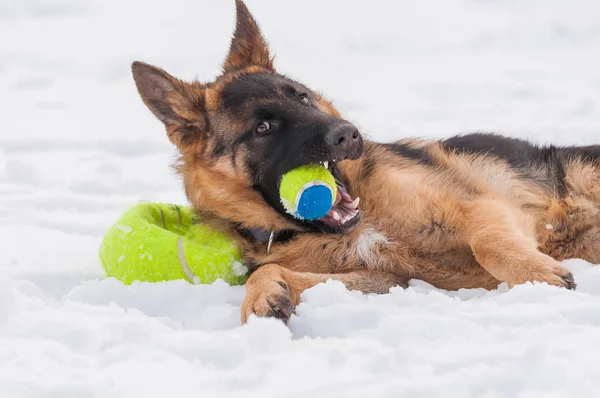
[(274, 291), (499, 238)]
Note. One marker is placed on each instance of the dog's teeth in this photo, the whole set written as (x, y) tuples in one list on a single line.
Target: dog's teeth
[(349, 216), (326, 164), (336, 216), (354, 204)]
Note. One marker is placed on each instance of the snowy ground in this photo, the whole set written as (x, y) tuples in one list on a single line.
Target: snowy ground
[(77, 147)]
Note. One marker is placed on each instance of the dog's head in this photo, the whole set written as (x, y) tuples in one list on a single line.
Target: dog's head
[(239, 134)]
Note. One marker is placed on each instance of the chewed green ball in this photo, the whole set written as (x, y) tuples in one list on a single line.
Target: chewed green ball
[(155, 242), (308, 192)]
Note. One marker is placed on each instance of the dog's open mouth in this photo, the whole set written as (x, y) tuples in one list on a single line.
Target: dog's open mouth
[(343, 216), (345, 207)]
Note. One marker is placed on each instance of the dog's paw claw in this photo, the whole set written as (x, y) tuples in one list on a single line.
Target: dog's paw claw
[(569, 281), (561, 277), (269, 303), (283, 309)]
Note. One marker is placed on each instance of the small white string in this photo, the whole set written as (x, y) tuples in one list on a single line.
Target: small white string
[(270, 241)]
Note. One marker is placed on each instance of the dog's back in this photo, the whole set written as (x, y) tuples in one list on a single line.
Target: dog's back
[(555, 191)]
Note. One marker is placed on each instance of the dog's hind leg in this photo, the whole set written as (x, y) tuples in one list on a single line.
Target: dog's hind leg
[(575, 219), (274, 291)]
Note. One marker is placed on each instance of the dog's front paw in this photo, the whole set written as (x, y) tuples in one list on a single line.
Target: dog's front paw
[(566, 278), (268, 295), (271, 300), (555, 275)]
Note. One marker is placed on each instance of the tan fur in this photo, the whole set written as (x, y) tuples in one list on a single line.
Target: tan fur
[(220, 189), (572, 226)]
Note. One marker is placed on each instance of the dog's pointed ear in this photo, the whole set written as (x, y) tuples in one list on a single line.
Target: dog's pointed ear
[(179, 105), (248, 46)]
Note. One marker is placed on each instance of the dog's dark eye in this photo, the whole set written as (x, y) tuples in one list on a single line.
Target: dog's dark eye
[(304, 99), (263, 128)]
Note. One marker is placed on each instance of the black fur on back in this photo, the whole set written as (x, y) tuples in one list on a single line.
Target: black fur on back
[(405, 150), (525, 157)]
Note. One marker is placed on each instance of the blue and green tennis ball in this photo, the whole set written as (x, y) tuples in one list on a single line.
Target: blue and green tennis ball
[(308, 192), (154, 242)]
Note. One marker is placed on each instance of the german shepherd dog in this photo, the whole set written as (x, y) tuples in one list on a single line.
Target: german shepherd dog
[(466, 212)]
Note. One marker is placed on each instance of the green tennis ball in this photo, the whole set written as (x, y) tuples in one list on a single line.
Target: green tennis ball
[(159, 242), (308, 192)]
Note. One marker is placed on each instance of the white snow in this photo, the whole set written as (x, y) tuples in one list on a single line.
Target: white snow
[(239, 269), (77, 147)]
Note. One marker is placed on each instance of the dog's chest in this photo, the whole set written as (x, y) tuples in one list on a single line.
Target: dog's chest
[(367, 246)]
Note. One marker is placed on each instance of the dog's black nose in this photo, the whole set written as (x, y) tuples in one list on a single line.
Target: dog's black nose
[(345, 141)]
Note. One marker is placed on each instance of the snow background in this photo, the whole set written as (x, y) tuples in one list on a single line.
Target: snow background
[(77, 147)]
